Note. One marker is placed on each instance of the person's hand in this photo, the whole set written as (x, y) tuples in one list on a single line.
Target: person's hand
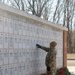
[(38, 46)]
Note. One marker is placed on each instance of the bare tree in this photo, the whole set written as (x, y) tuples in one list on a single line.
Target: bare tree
[(58, 13), (65, 9), (47, 10), (63, 13), (36, 7), (68, 20)]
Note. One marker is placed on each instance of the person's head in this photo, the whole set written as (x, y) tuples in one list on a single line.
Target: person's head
[(53, 44)]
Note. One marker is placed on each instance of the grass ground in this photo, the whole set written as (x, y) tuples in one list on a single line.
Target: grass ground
[(70, 56)]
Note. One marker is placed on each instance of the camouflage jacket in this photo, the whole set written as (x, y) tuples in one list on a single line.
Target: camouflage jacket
[(50, 57)]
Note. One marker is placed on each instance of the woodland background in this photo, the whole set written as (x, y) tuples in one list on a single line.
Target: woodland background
[(61, 12)]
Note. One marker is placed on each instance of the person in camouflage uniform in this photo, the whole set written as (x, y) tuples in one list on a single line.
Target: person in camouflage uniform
[(50, 60)]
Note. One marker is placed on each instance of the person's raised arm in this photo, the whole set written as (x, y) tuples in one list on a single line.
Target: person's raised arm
[(42, 47)]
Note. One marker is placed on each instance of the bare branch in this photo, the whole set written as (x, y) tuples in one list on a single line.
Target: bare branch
[(22, 5), (46, 1)]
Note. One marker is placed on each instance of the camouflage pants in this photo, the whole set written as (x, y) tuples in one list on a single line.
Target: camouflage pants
[(50, 73)]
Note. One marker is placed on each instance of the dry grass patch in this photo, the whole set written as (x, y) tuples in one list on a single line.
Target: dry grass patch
[(70, 56)]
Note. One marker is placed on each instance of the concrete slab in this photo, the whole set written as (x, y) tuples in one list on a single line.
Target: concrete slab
[(71, 69)]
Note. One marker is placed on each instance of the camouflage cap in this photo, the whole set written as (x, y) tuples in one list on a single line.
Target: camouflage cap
[(53, 44)]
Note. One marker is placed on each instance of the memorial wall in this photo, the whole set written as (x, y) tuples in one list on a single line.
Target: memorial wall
[(19, 35)]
